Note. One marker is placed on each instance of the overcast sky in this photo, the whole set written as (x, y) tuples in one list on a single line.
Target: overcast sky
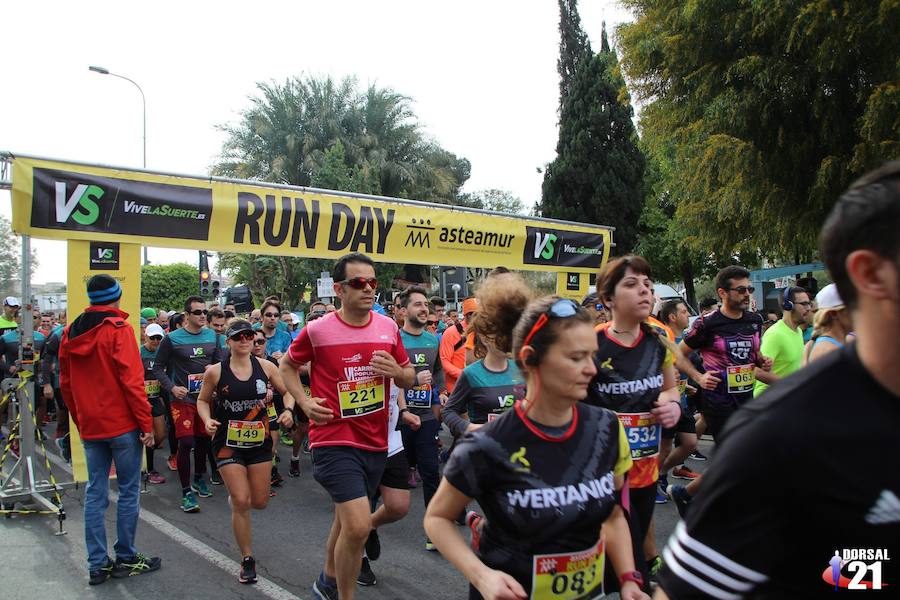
[(482, 76)]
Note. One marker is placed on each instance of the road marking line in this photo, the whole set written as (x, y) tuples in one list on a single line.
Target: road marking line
[(269, 588)]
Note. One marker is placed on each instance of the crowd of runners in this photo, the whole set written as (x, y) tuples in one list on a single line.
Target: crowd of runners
[(567, 420)]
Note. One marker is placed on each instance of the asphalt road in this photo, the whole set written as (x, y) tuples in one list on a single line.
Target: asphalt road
[(200, 558)]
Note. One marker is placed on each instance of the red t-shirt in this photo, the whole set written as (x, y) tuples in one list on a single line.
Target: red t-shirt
[(340, 373)]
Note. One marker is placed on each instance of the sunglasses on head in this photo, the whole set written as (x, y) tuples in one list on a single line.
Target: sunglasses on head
[(271, 315), (243, 335), (155, 338), (360, 283), (198, 312), (561, 309)]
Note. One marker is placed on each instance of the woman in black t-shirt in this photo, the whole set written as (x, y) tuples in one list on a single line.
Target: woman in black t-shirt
[(239, 426), (547, 474)]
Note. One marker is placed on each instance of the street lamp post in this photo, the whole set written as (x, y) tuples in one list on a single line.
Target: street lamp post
[(104, 71)]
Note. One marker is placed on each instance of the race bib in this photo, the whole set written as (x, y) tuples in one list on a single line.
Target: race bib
[(643, 433), (195, 381), (358, 398), (568, 576), (152, 388), (741, 378), (419, 396), (245, 434)]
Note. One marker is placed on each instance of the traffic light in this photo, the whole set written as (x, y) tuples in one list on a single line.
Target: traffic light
[(216, 284), (204, 284)]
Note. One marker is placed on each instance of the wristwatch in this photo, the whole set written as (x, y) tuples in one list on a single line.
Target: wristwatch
[(634, 576), (402, 410)]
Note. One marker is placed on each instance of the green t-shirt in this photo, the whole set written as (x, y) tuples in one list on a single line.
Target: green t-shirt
[(785, 347), (6, 323)]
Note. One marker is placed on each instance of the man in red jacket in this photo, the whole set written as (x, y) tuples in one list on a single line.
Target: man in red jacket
[(101, 377)]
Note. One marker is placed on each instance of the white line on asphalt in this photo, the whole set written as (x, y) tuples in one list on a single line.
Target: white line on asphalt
[(270, 589)]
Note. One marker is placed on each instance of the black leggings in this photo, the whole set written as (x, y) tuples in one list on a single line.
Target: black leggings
[(641, 504)]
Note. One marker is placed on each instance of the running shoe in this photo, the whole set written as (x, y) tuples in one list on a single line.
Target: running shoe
[(680, 496), (682, 472), (248, 570), (215, 478), (199, 486), (473, 520), (661, 497), (429, 545), (323, 590), (172, 463), (277, 479), (102, 574), (366, 577), (373, 545), (294, 469), (305, 445), (138, 565), (286, 438), (155, 478), (695, 455), (653, 566), (62, 443), (189, 503)]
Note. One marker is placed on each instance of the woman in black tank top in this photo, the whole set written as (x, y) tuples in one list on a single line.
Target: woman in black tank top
[(239, 426)]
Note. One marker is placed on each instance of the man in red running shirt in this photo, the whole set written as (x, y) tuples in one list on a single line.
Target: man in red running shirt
[(354, 353)]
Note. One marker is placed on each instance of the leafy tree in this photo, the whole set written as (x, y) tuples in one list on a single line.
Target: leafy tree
[(11, 260), (494, 200), (322, 133), (597, 174), (769, 110), (167, 286), (574, 47)]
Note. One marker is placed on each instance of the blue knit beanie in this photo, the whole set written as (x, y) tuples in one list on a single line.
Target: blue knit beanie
[(103, 289)]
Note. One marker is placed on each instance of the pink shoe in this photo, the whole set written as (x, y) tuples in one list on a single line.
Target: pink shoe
[(155, 478)]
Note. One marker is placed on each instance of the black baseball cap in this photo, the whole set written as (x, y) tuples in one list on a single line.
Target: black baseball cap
[(237, 326)]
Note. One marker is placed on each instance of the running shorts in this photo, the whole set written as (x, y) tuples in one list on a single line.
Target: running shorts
[(187, 421), (243, 456), (396, 472), (685, 424), (157, 407), (348, 473)]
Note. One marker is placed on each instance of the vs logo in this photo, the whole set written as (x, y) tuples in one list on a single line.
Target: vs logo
[(81, 206), (545, 245), (104, 256)]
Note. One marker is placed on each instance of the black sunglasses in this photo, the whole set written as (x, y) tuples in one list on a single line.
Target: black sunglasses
[(243, 335), (431, 323), (259, 342), (742, 289), (360, 283), (155, 338), (271, 315), (199, 311)]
